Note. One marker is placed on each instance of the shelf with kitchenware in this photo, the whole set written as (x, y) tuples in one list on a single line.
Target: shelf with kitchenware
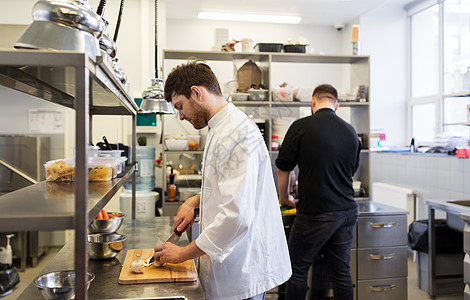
[(349, 71), (69, 79), (185, 165), (89, 86)]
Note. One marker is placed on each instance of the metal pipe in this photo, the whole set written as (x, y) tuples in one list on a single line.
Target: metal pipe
[(7, 165), (118, 22), (156, 38)]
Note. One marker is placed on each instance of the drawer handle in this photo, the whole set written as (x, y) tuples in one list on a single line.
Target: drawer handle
[(382, 257), (382, 288), (382, 225)]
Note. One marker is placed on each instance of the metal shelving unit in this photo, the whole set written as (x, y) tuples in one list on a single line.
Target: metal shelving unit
[(76, 81), (359, 74)]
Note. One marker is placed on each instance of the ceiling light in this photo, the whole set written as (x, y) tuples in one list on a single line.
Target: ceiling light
[(208, 15)]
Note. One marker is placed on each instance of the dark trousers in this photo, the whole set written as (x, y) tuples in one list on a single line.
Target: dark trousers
[(332, 233)]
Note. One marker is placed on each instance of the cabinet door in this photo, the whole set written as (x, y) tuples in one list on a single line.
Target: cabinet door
[(382, 262), (382, 231)]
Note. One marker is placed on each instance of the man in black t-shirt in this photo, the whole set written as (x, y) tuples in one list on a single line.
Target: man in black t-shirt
[(326, 150)]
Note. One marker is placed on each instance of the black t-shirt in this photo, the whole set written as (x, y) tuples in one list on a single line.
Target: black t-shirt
[(326, 149)]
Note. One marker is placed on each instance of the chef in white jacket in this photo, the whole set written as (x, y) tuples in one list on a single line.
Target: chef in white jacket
[(242, 246)]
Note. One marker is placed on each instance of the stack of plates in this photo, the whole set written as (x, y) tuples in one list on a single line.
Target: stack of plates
[(280, 126)]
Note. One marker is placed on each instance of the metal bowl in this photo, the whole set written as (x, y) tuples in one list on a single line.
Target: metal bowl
[(106, 225), (59, 285), (105, 245)]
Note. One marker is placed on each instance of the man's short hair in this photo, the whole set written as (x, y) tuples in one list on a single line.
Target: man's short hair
[(326, 90), (193, 73)]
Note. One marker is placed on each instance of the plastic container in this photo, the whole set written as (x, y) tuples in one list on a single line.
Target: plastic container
[(240, 96), (60, 170), (99, 171), (115, 163), (303, 94), (6, 255), (193, 142), (258, 95), (145, 176), (283, 94), (64, 170), (110, 153), (268, 47), (295, 48), (92, 151), (275, 142)]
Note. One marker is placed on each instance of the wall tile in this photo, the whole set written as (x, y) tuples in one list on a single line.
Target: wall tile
[(456, 181), (444, 180)]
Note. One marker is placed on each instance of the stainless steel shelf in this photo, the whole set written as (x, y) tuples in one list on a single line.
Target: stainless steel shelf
[(459, 94), (51, 205), (251, 103), (214, 55), (315, 58), (184, 151), (88, 86), (454, 124), (264, 56), (50, 75)]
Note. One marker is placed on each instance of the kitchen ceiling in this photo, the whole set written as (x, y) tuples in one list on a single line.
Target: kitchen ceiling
[(316, 12)]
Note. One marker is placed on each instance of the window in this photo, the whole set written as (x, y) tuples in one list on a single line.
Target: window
[(440, 69), (424, 122), (456, 43), (425, 52)]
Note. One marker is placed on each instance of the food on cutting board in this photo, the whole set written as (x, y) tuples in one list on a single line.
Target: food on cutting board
[(138, 265)]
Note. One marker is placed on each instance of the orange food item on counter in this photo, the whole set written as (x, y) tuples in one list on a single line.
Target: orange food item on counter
[(104, 214), (99, 216), (114, 215)]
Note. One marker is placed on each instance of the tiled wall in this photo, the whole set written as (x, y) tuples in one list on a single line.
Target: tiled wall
[(430, 176)]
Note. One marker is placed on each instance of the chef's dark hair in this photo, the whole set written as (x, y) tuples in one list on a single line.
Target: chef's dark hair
[(183, 77), (325, 90)]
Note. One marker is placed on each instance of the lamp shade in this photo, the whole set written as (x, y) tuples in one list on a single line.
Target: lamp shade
[(153, 100)]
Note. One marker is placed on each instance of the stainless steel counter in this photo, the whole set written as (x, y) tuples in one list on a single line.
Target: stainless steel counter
[(371, 208), (141, 234), (453, 210)]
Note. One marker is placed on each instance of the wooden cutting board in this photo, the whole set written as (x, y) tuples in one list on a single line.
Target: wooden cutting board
[(182, 272)]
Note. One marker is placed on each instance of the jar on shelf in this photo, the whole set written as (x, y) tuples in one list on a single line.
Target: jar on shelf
[(274, 142)]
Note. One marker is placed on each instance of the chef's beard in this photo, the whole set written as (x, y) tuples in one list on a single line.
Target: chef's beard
[(201, 116)]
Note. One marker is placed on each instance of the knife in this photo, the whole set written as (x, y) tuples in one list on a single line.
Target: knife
[(174, 237)]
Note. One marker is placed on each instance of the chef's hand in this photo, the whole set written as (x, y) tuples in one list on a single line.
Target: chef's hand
[(291, 201), (185, 217), (168, 253)]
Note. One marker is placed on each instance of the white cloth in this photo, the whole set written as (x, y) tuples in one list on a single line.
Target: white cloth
[(241, 225)]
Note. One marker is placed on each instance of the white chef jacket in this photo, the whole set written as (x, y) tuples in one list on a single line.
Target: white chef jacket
[(241, 229)]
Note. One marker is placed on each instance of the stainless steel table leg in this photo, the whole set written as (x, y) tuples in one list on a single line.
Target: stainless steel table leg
[(24, 250), (431, 252)]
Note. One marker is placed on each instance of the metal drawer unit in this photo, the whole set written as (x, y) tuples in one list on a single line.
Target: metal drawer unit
[(382, 231), (383, 289), (382, 262), (466, 249), (381, 256)]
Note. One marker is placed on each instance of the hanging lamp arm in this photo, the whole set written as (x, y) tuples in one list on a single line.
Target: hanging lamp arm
[(156, 38)]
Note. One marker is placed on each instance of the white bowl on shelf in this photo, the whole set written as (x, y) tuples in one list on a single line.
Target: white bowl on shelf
[(176, 145)]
